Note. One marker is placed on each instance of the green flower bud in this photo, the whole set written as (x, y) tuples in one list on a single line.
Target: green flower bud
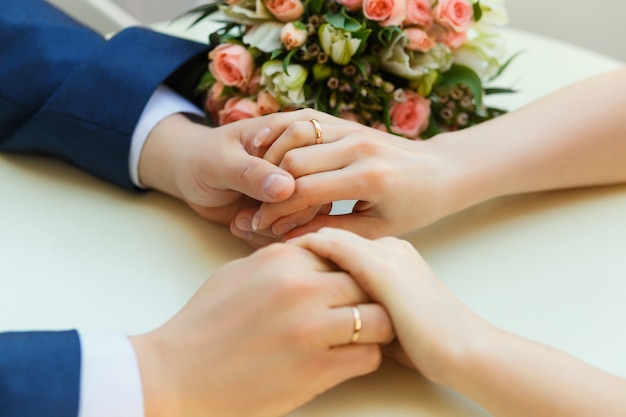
[(338, 43), (321, 72)]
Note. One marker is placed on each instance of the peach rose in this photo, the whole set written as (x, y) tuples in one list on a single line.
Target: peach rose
[(231, 64), (454, 14), (418, 12), (238, 108), (410, 117), (387, 12), (267, 103), (285, 10), (292, 37), (418, 40), (351, 5)]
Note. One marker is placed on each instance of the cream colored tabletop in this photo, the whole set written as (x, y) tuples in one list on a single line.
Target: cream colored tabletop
[(79, 253)]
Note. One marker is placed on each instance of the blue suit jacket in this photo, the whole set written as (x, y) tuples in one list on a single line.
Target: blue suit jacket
[(68, 93)]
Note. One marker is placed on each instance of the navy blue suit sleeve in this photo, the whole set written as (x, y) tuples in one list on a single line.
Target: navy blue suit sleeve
[(67, 92), (39, 374)]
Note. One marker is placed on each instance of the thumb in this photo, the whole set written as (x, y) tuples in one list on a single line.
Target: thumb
[(259, 179)]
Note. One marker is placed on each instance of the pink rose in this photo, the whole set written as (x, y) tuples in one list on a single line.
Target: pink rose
[(351, 5), (267, 103), (454, 14), (387, 12), (410, 117), (254, 84), (418, 12), (238, 108), (231, 64), (292, 37), (454, 39), (215, 101), (285, 10), (418, 40)]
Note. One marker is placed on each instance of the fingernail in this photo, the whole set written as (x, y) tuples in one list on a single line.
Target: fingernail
[(256, 220), (244, 224), (283, 229), (260, 137), (275, 184)]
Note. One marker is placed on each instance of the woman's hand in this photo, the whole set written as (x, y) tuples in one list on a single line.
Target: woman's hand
[(434, 329), (399, 184)]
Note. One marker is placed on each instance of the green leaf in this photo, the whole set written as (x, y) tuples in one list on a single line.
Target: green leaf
[(499, 90), (478, 12), (433, 129), (343, 21), (314, 7), (388, 34), (275, 54), (287, 60), (360, 66), (459, 74), (506, 65), (204, 11)]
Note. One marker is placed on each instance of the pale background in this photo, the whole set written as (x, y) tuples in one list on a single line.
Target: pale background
[(597, 25)]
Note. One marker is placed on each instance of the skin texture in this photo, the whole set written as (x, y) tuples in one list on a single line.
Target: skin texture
[(452, 346), (571, 138), (216, 171), (262, 336)]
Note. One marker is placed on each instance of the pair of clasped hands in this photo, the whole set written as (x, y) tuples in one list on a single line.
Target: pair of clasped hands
[(325, 319)]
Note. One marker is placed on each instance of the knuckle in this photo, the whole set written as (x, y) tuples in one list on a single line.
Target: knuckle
[(290, 161)]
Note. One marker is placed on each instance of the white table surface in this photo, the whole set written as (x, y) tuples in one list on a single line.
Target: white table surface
[(79, 253)]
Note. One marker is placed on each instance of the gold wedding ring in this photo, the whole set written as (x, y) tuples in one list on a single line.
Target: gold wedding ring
[(318, 131), (356, 317)]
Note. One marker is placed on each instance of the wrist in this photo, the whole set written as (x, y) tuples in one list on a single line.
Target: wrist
[(159, 390), (163, 153), (466, 172)]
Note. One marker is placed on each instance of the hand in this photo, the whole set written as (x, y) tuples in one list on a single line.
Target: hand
[(399, 184), (263, 335), (433, 327), (219, 171)]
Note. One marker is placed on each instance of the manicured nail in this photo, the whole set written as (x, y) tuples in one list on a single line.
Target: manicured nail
[(256, 220), (260, 137), (244, 224), (275, 184), (283, 229)]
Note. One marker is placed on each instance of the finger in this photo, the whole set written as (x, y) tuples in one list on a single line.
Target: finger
[(372, 325), (319, 189), (303, 133), (366, 225), (286, 224), (395, 351), (347, 250), (257, 178), (319, 158), (254, 239), (259, 133), (350, 361)]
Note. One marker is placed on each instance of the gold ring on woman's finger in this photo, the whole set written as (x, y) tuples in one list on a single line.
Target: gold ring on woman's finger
[(358, 324), (318, 131)]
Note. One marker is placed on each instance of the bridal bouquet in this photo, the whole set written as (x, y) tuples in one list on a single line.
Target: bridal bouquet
[(410, 67)]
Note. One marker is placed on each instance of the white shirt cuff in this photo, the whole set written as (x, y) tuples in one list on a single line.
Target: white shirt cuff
[(163, 102), (110, 381)]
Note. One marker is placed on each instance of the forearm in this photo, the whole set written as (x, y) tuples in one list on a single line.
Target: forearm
[(512, 376), (575, 137)]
